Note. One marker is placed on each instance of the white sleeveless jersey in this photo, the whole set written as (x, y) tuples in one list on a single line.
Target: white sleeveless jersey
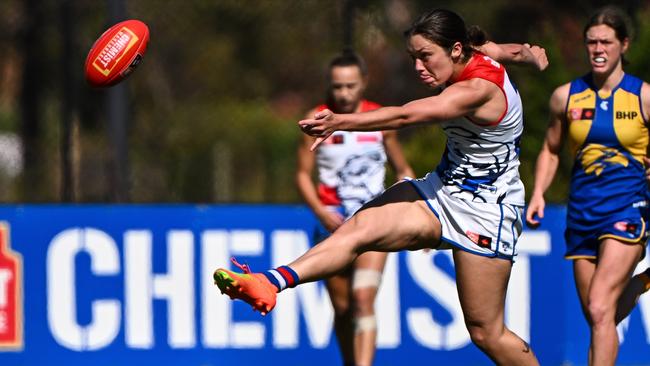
[(351, 166), (481, 161)]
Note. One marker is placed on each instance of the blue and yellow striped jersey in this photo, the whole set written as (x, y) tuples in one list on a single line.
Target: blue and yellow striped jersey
[(608, 137)]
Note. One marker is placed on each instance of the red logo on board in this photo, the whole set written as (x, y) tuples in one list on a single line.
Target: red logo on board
[(11, 299)]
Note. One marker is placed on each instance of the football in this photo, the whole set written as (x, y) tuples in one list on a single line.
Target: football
[(116, 53)]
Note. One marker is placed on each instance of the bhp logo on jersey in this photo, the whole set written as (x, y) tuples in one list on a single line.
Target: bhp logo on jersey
[(114, 50), (11, 306), (626, 115)]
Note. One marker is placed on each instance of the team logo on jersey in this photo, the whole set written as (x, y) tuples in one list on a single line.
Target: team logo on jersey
[(478, 239), (584, 97), (581, 113), (368, 137), (588, 113), (627, 227), (626, 114), (604, 105), (11, 302), (595, 158)]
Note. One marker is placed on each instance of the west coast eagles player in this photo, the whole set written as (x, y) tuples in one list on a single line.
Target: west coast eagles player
[(604, 115)]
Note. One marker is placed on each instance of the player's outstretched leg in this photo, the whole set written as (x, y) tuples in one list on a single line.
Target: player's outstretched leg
[(259, 290), (638, 285), (644, 278), (381, 225)]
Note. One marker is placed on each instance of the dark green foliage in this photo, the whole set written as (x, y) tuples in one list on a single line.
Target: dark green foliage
[(215, 104)]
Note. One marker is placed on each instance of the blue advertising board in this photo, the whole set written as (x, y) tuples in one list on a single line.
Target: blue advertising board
[(132, 285)]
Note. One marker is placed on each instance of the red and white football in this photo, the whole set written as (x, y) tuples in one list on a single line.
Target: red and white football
[(116, 53)]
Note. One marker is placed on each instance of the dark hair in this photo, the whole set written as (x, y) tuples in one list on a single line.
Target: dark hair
[(349, 58), (445, 28), (612, 17)]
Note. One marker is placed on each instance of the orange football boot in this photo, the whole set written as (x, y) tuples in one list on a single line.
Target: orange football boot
[(254, 288)]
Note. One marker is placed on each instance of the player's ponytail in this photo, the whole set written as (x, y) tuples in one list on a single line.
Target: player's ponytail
[(476, 36), (445, 28)]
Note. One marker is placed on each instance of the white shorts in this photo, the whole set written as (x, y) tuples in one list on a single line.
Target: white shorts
[(487, 229)]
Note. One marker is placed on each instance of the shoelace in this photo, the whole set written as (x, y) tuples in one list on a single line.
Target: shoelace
[(244, 267)]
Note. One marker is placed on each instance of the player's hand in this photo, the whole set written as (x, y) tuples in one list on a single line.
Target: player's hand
[(539, 56), (331, 220), (321, 126), (535, 208), (646, 162)]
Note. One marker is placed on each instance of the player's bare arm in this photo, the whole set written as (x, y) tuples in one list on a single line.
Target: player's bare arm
[(396, 156), (475, 98), (306, 161), (509, 53), (645, 102), (548, 158)]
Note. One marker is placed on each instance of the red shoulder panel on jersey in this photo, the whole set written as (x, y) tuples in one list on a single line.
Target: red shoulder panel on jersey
[(367, 106), (483, 67)]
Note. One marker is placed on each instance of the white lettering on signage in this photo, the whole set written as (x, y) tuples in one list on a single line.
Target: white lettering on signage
[(442, 288), (3, 321), (531, 243), (310, 299), (219, 330), (5, 277), (61, 292), (176, 287), (387, 305), (308, 303)]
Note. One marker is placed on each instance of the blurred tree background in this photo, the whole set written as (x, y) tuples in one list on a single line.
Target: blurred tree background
[(211, 113)]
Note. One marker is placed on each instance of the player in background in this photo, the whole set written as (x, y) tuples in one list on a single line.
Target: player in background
[(351, 171), (604, 115), (472, 203)]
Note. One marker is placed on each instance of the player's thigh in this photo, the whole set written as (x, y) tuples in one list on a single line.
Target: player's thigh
[(616, 262), (397, 219), (583, 273), (482, 283)]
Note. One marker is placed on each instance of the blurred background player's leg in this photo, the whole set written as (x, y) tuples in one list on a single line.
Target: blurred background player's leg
[(638, 285), (338, 287), (366, 279)]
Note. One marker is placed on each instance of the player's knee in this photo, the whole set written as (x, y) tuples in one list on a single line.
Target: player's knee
[(341, 305), (366, 323), (478, 335), (365, 283), (364, 302), (483, 336), (349, 238), (361, 231), (600, 312)]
